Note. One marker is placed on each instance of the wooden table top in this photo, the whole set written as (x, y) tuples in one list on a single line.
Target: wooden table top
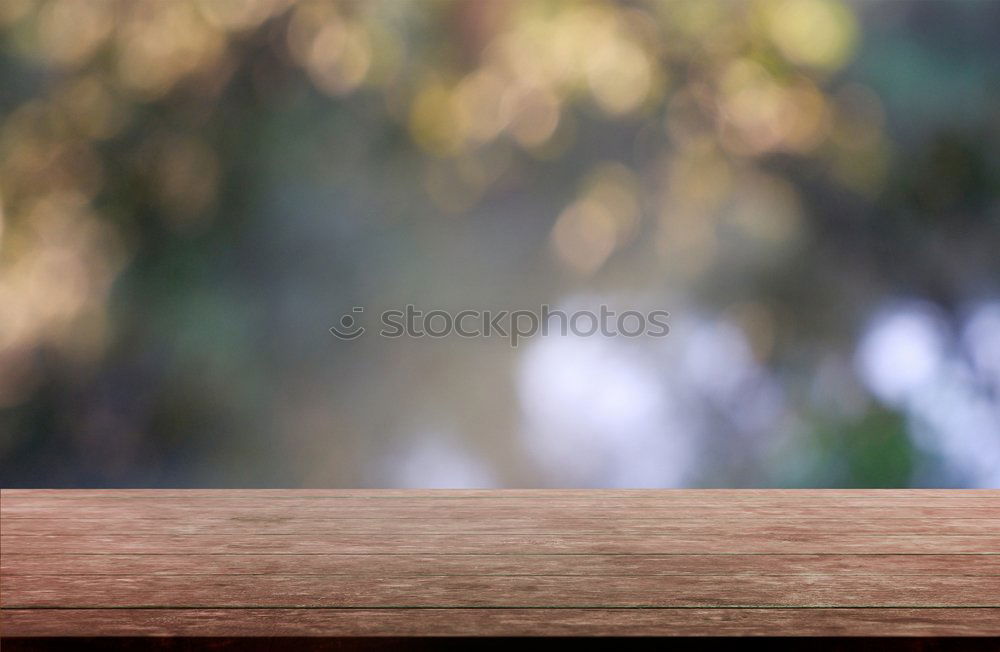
[(394, 563)]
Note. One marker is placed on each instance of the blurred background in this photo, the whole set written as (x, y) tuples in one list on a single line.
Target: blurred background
[(193, 191)]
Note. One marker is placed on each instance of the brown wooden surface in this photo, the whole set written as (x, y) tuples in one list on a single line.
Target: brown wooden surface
[(499, 563)]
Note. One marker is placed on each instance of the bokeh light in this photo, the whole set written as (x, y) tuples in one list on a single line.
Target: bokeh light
[(193, 191)]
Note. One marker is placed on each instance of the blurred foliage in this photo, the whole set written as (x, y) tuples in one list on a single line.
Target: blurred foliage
[(873, 452), (191, 190)]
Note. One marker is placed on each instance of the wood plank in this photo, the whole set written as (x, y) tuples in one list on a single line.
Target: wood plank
[(503, 622), (767, 495), (492, 564), (568, 544), (354, 563), (80, 591), (292, 525), (331, 505), (332, 512)]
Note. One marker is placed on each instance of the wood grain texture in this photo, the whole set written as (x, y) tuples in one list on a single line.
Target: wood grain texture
[(395, 563), (506, 622), (146, 565)]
